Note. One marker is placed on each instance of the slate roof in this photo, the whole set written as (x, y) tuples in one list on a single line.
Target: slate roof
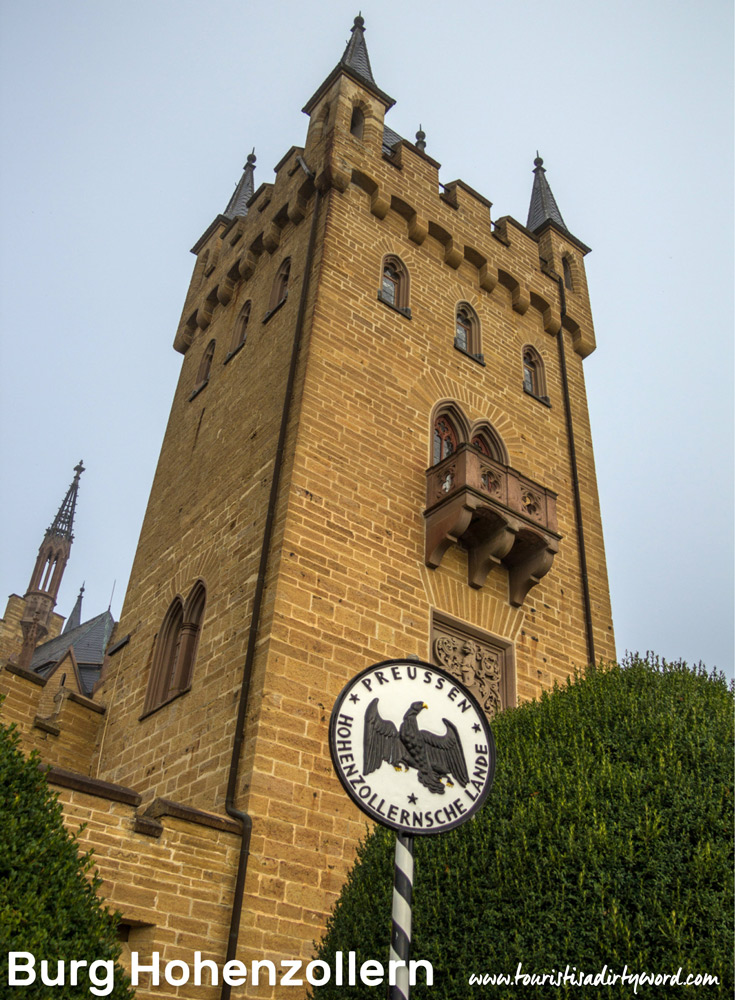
[(355, 56), (238, 203), (390, 138), (543, 207), (89, 641)]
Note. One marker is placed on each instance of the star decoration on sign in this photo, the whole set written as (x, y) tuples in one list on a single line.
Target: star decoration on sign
[(354, 698), (476, 728), (412, 799)]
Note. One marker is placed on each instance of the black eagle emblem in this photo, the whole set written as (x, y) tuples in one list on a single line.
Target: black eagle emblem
[(435, 756)]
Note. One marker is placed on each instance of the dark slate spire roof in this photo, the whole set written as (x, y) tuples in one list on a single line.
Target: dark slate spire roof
[(238, 203), (355, 62), (543, 206), (75, 618), (356, 55), (89, 642), (61, 527)]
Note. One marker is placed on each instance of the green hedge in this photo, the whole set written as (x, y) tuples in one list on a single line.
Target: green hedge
[(48, 894), (606, 841)]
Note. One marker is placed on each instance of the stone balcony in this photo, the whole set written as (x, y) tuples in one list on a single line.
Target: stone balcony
[(496, 514)]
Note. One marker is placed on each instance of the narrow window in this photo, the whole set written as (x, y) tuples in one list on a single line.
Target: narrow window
[(445, 439), (534, 377), (279, 291), (463, 330), (566, 267), (391, 280), (530, 373), (164, 660), (206, 364), (480, 442), (176, 648), (467, 331), (241, 328), (357, 122), (394, 285)]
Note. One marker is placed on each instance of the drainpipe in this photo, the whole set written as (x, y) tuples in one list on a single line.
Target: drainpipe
[(244, 818), (575, 479)]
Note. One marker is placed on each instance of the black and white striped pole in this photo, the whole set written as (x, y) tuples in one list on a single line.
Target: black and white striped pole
[(400, 938), (413, 749)]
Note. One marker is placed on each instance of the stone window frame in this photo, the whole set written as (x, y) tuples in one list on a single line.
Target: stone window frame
[(357, 121), (176, 647), (445, 625), (534, 374), (205, 366), (240, 332), (400, 298), (469, 342)]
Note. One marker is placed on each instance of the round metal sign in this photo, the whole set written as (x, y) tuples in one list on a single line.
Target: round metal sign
[(412, 746)]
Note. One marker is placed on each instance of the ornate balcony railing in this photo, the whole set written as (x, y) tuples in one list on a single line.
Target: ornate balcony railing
[(496, 514)]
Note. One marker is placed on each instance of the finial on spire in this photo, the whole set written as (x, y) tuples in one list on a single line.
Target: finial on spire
[(238, 203), (543, 207), (356, 54), (421, 139), (63, 523)]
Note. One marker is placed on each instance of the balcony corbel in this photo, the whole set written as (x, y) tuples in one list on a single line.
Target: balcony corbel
[(498, 515)]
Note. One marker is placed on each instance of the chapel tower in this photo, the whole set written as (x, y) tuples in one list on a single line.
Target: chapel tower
[(43, 588), (379, 447)]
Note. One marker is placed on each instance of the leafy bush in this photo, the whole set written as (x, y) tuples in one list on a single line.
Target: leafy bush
[(605, 841), (48, 894)]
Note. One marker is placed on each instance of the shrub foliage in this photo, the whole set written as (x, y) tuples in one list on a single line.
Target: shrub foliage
[(48, 892), (606, 841)]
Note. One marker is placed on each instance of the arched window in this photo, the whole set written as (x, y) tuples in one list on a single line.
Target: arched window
[(176, 648), (480, 442), (357, 122), (205, 365), (279, 291), (394, 284), (567, 269), (467, 331), (241, 330), (445, 438), (534, 378), (164, 660)]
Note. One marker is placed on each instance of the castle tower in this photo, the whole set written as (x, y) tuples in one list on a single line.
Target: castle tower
[(379, 447), (53, 555)]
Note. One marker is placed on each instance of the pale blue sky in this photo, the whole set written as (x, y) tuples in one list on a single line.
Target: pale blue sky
[(125, 126)]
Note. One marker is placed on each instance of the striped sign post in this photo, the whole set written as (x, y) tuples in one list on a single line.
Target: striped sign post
[(414, 750), (400, 938)]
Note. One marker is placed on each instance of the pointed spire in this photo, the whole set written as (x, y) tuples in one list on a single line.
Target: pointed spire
[(356, 54), (355, 62), (238, 203), (543, 207), (61, 526), (75, 618)]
